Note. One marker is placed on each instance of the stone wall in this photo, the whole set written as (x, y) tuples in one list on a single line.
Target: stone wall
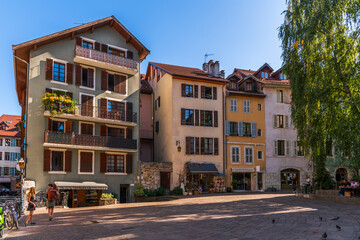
[(150, 173)]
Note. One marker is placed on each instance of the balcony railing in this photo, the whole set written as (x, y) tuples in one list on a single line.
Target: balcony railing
[(89, 140), (104, 113), (105, 57)]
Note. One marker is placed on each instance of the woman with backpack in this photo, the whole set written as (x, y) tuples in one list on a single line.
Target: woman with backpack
[(31, 206), (52, 195)]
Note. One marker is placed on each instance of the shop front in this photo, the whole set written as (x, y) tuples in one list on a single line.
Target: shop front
[(80, 194), (242, 179)]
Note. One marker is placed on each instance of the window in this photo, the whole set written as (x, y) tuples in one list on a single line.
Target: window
[(57, 161), (116, 52), (7, 142), (298, 149), (235, 154), (259, 133), (116, 110), (246, 106), (232, 85), (248, 155), (264, 75), (12, 171), (279, 121), (57, 126), (157, 103), (14, 156), (233, 105), (87, 77), (111, 82), (279, 96), (282, 76), (259, 107), (157, 126), (87, 44), (208, 118), (116, 132), (6, 171), (13, 142), (1, 156), (259, 155), (1, 140), (247, 129), (208, 92), (116, 83), (280, 147), (115, 163), (248, 86), (7, 156), (208, 146), (188, 90), (86, 162), (59, 72), (233, 128), (189, 116)]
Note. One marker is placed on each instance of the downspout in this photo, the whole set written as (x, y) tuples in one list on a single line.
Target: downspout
[(224, 126), (139, 126)]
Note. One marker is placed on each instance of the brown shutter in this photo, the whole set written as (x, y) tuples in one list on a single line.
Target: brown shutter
[(78, 41), (49, 69), (68, 125), (202, 117), (49, 124), (103, 108), (91, 77), (188, 147), (70, 94), (197, 146), (129, 163), (117, 83), (129, 112), (196, 117), (215, 118), (183, 121), (102, 162), (183, 92), (130, 55), (104, 48), (78, 75), (128, 133), (97, 46), (196, 90), (104, 79), (86, 161), (68, 161), (122, 84), (202, 146), (202, 92), (216, 146), (47, 153), (69, 73), (214, 93), (103, 130)]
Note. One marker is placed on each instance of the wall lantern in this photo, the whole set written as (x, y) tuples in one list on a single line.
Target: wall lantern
[(178, 146), (21, 163)]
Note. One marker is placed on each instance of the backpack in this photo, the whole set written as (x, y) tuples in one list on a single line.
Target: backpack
[(53, 195)]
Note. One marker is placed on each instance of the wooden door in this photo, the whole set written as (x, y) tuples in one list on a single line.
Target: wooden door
[(87, 128), (81, 198), (123, 193), (87, 105), (165, 180)]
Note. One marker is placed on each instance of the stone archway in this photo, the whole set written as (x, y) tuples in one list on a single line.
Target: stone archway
[(341, 173), (286, 176)]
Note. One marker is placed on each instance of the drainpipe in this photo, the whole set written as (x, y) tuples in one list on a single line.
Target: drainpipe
[(224, 129), (139, 126)]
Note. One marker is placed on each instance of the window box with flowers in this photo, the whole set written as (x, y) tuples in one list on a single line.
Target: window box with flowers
[(59, 104)]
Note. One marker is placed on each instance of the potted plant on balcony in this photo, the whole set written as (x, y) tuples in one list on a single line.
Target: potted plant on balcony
[(58, 104)]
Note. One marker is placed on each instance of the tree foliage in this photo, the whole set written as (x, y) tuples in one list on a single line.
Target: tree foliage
[(320, 42)]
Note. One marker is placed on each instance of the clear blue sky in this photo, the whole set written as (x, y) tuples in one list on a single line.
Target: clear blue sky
[(240, 33)]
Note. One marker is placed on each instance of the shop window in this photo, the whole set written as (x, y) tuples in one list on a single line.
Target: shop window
[(57, 161), (115, 163)]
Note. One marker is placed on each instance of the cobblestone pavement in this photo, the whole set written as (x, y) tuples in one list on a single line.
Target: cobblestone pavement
[(234, 216)]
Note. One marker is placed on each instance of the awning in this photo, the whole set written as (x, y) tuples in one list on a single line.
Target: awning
[(5, 179), (197, 168), (81, 186), (243, 170)]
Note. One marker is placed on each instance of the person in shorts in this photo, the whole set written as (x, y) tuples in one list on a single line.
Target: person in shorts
[(31, 206), (52, 195)]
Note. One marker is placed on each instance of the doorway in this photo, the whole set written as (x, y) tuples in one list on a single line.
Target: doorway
[(287, 176), (341, 174), (243, 181), (165, 180), (124, 192), (259, 181)]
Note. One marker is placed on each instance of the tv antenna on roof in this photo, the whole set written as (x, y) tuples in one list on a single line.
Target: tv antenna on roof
[(208, 54)]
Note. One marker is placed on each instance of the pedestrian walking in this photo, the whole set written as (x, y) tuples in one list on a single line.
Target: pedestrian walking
[(52, 195), (31, 206), (293, 183)]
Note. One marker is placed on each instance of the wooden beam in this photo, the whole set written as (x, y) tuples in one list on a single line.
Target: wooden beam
[(112, 23), (35, 47), (72, 35), (92, 29), (128, 40)]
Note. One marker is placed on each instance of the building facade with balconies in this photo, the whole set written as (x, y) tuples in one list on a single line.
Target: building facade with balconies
[(96, 65)]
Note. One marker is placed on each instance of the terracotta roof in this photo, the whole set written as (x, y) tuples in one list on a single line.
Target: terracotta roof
[(11, 121), (188, 72), (275, 82), (246, 72), (145, 87)]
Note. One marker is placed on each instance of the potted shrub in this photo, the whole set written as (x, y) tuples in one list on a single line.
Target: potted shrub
[(107, 199), (58, 104), (139, 193)]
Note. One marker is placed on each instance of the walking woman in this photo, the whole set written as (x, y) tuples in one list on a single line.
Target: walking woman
[(31, 206)]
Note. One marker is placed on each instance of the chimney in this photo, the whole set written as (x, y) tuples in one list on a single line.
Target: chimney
[(222, 74), (216, 69), (205, 67), (211, 67)]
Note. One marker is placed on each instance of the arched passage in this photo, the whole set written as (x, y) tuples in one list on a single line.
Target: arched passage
[(286, 177)]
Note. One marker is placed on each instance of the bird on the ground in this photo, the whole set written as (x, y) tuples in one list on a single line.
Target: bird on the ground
[(338, 227), (273, 221), (324, 236), (320, 218), (335, 218)]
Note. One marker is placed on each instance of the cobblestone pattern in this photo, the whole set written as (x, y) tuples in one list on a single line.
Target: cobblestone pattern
[(150, 173), (225, 216)]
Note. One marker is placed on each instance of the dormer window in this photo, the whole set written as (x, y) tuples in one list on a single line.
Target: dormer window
[(282, 76), (232, 85), (264, 75), (248, 86)]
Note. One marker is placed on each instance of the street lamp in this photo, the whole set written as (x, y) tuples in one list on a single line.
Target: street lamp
[(21, 164)]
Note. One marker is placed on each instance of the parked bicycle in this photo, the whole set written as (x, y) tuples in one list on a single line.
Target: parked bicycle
[(11, 211)]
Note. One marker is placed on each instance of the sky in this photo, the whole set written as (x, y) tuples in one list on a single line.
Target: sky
[(240, 33)]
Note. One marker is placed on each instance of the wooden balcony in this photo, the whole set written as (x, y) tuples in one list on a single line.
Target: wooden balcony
[(89, 141), (105, 60)]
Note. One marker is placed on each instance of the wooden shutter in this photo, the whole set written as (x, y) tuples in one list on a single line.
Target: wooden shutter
[(216, 146), (129, 163), (183, 121), (253, 129), (128, 133), (68, 161), (295, 147), (69, 73), (123, 84), (197, 147), (47, 154), (202, 146), (215, 118), (78, 75), (196, 117), (49, 124), (49, 69), (286, 121), (103, 108), (275, 121), (202, 92), (129, 112), (227, 127), (275, 147), (86, 162), (188, 147), (78, 41), (97, 46), (104, 48), (104, 80), (287, 149), (196, 90), (202, 117), (91, 77), (214, 93), (117, 83), (130, 55), (68, 125), (103, 162), (103, 130), (183, 92)]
